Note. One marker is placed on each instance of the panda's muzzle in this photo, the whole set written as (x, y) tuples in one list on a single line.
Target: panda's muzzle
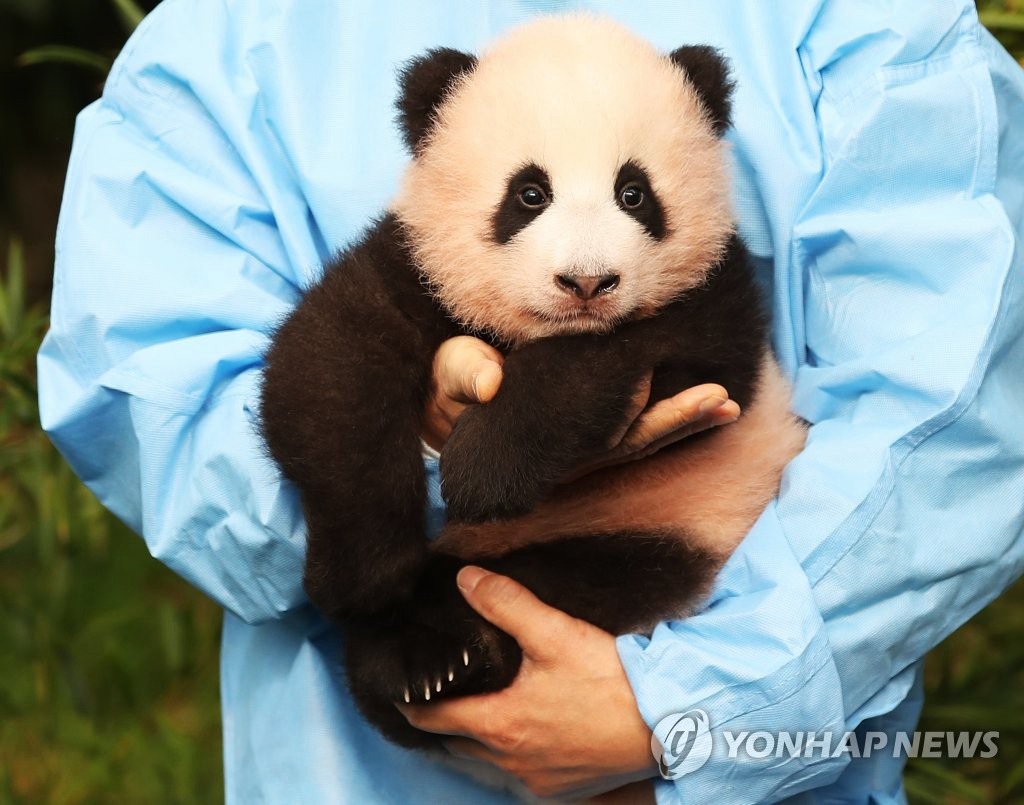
[(587, 287)]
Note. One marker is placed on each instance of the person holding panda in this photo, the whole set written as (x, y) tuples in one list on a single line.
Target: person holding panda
[(875, 188)]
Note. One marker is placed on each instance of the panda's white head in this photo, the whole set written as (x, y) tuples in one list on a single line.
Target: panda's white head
[(570, 178)]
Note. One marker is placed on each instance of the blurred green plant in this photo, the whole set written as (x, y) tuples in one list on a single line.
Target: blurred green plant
[(108, 662), (130, 15), (1005, 19), (974, 681)]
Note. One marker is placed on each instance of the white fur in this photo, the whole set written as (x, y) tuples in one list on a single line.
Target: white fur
[(579, 96)]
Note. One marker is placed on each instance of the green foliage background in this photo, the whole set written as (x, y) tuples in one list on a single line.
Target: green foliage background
[(108, 662)]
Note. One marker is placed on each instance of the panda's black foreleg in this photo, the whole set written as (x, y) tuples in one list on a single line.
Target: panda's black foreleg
[(355, 457), (344, 393), (440, 647), (564, 400), (561, 402)]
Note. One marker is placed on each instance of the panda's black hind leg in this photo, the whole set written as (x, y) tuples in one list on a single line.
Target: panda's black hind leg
[(436, 646), (620, 581), (431, 648)]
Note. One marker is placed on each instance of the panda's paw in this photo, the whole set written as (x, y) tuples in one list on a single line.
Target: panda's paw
[(469, 660), (487, 496), (490, 472), (475, 492), (416, 663)]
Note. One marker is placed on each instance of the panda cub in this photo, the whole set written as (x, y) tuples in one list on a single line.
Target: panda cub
[(567, 200)]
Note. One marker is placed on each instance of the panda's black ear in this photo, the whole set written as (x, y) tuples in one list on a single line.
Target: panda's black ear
[(424, 82), (708, 71)]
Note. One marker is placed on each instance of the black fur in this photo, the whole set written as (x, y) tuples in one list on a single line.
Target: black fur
[(419, 642), (615, 581), (344, 392), (503, 458), (345, 388), (649, 214), (708, 71), (511, 216), (424, 81)]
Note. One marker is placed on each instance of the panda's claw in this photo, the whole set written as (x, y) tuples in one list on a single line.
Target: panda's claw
[(413, 654)]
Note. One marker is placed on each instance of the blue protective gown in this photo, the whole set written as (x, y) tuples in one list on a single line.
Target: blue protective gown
[(879, 182)]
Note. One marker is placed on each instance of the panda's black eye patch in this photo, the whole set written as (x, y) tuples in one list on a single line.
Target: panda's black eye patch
[(527, 195), (635, 197)]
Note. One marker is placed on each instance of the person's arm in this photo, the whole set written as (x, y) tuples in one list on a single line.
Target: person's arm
[(187, 234), (468, 371), (182, 241), (901, 518)]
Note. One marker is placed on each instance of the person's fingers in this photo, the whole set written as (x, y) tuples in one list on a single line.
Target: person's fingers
[(456, 717), (467, 370), (541, 631), (667, 422), (469, 749), (725, 414), (677, 413)]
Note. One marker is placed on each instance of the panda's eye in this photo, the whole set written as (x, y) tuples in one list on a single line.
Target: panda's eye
[(631, 196), (533, 197)]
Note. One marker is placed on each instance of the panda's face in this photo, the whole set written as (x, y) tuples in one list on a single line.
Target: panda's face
[(570, 181)]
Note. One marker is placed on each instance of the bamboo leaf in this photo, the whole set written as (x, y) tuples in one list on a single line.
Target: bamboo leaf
[(947, 781), (51, 54), (19, 382), (1002, 20), (15, 291), (1014, 778), (130, 13)]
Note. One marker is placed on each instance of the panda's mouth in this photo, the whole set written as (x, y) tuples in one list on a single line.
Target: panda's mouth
[(580, 316)]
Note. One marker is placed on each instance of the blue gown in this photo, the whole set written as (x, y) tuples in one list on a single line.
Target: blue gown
[(879, 182)]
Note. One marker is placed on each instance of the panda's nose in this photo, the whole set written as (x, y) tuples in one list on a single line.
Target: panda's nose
[(587, 287)]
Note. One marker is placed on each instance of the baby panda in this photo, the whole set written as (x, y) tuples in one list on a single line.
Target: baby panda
[(567, 200)]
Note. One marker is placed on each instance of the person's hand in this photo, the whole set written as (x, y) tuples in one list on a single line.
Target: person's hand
[(467, 371), (569, 722)]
